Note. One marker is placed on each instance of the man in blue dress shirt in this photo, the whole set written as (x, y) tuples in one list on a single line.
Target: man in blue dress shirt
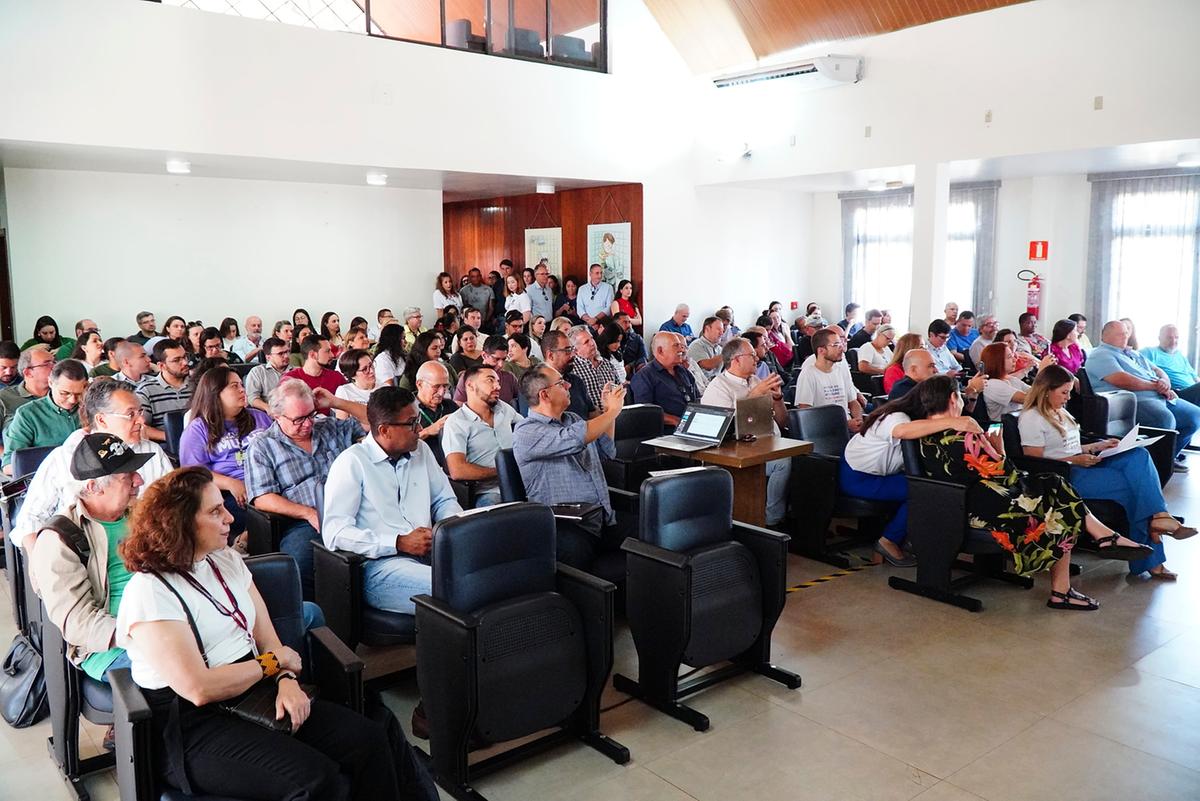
[(595, 298), (678, 323)]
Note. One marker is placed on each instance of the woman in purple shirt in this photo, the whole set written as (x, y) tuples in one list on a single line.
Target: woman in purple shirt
[(1064, 345), (217, 438)]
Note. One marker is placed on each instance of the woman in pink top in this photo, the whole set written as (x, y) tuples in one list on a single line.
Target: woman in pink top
[(1064, 345)]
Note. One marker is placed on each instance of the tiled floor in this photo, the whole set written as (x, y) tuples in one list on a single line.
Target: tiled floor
[(903, 698)]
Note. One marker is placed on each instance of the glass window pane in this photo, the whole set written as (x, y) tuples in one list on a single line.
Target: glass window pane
[(882, 256), (575, 32), (414, 20), (519, 28), (466, 26)]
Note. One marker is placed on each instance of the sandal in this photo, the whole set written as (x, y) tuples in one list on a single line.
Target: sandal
[(1164, 575), (1089, 605), (1126, 553), (1179, 532)]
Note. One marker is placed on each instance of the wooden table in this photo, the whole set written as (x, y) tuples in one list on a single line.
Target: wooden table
[(747, 462)]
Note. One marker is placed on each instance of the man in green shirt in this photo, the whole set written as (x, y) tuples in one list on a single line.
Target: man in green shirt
[(51, 419), (34, 366)]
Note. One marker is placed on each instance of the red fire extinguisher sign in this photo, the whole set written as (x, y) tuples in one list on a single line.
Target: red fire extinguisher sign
[(1039, 250)]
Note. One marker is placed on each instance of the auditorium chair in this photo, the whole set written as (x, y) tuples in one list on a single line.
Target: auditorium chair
[(866, 383), (509, 643), (243, 368), (25, 463), (633, 461), (815, 500), (1114, 414), (333, 668), (11, 493), (610, 559), (338, 579), (459, 35), (570, 50), (173, 428), (939, 531), (523, 42), (701, 590)]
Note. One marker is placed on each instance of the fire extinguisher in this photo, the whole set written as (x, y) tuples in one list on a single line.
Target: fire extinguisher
[(1033, 291)]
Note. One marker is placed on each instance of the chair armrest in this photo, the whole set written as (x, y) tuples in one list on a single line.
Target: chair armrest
[(128, 702), (134, 738), (750, 535), (595, 599), (653, 553), (264, 530), (428, 604), (337, 588), (1040, 464), (770, 550), (336, 669), (571, 581), (623, 500)]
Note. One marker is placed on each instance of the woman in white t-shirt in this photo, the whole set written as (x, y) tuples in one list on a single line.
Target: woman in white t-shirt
[(445, 295), (872, 465), (1004, 391), (515, 297), (875, 356), (198, 633), (1049, 431), (389, 355), (359, 369)]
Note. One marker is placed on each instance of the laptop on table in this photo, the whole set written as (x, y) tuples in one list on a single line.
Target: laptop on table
[(699, 427), (755, 417)]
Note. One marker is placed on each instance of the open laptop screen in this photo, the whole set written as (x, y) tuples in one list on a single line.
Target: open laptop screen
[(706, 422)]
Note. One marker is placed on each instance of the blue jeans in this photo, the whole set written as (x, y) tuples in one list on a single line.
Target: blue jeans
[(391, 582), (879, 488), (487, 498), (1130, 480), (1180, 415), (297, 543), (778, 471), (121, 661)]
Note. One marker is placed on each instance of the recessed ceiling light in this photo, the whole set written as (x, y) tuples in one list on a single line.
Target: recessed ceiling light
[(377, 179), (178, 167), (1189, 160), (895, 184), (545, 188)]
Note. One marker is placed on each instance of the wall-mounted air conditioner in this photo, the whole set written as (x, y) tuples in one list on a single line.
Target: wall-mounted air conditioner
[(814, 73)]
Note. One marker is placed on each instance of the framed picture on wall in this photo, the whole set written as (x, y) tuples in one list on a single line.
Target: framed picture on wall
[(544, 243), (610, 246)]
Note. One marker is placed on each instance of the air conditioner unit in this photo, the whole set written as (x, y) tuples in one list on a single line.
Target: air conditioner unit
[(815, 73)]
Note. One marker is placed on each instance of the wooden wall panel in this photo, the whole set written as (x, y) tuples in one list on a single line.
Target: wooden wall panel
[(479, 233)]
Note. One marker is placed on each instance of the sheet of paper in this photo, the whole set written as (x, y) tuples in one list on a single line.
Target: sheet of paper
[(1129, 442)]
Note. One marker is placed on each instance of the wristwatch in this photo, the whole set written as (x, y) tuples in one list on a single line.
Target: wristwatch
[(286, 674)]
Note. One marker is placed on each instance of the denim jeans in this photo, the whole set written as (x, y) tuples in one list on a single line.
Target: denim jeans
[(391, 582), (297, 543)]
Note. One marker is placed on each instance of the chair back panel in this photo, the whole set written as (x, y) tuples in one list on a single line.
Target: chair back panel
[(823, 426), (173, 427), (688, 510), (28, 460), (531, 665), (911, 449), (1122, 413), (727, 609), (278, 581), (493, 555), (1012, 434), (639, 422), (1085, 384), (512, 486)]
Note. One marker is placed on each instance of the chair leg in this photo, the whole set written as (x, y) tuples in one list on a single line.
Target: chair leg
[(936, 594), (775, 673), (607, 746), (667, 705)]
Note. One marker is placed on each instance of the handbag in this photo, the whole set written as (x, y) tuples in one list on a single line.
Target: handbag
[(257, 704), (23, 699)]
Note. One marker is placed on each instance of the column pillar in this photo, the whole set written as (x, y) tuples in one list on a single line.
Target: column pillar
[(931, 197)]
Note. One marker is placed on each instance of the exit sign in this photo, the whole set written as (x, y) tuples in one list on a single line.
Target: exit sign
[(1039, 250)]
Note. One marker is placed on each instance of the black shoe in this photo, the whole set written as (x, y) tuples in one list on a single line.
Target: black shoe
[(420, 723)]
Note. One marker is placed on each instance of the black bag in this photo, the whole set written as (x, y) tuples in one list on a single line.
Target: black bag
[(23, 685)]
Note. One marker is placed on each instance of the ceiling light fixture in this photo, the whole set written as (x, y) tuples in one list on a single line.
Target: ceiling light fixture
[(377, 179), (545, 188), (895, 184), (876, 185), (1188, 160), (178, 167)]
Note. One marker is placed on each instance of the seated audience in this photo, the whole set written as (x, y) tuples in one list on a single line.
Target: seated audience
[(1113, 364), (286, 465), (678, 324), (88, 351), (109, 367), (595, 299), (665, 381), (147, 327), (433, 405), (766, 361), (987, 335), (10, 357), (467, 350), (1029, 340), (537, 330), (704, 354), (317, 351), (82, 594), (495, 351), (263, 378), (212, 346), (230, 333), (951, 313), (473, 435), (633, 347), (1049, 431), (847, 323), (895, 369), (560, 354), (45, 332), (918, 366), (811, 325), (1167, 357), (519, 357), (594, 371), (1004, 391), (875, 355), (382, 498), (357, 339), (559, 455), (249, 348), (731, 330), (169, 391), (823, 384), (1065, 348), (514, 322), (34, 365), (874, 318), (134, 363), (778, 339), (962, 336), (936, 339), (359, 369), (50, 419), (737, 381), (108, 407), (1132, 331), (184, 572), (389, 355), (428, 346), (1080, 321), (219, 435)]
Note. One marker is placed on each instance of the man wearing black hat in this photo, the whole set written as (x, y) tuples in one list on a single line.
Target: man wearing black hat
[(77, 569)]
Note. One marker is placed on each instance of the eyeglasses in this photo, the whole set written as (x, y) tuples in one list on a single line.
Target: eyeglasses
[(412, 424), (567, 349), (299, 421), (39, 366), (367, 368), (133, 415)]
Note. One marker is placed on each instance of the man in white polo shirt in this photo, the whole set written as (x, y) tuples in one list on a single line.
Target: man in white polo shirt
[(823, 384)]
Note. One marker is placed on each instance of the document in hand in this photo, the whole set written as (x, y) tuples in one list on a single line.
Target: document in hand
[(1129, 442)]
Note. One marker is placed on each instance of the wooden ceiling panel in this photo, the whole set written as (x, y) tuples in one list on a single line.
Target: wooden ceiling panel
[(701, 31)]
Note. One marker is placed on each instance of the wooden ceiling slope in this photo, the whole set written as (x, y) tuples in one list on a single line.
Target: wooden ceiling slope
[(705, 38), (420, 20)]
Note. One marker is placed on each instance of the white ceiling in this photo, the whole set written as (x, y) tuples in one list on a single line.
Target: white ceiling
[(454, 185)]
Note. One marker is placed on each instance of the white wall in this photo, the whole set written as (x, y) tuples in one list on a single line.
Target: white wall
[(106, 245)]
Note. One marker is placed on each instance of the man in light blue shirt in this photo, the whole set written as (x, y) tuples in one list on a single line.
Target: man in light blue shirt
[(1167, 357), (541, 296), (943, 358), (1113, 365), (473, 435), (678, 324), (595, 298), (382, 498)]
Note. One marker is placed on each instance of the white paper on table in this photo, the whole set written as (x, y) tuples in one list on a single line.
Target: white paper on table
[(1129, 442)]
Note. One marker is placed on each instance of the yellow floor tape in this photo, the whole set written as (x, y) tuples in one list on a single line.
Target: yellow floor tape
[(823, 579)]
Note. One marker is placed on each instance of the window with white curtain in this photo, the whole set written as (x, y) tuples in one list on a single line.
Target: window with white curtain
[(877, 237), (1144, 254)]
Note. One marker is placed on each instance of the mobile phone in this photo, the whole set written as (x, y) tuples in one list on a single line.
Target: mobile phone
[(995, 430)]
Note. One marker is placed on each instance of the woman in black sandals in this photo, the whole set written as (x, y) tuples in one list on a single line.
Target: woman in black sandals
[(1036, 518)]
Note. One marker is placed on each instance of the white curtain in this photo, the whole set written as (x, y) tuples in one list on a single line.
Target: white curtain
[(1144, 253), (877, 250), (971, 246)]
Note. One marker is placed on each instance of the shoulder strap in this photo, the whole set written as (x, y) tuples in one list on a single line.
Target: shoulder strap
[(191, 620), (70, 534)]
